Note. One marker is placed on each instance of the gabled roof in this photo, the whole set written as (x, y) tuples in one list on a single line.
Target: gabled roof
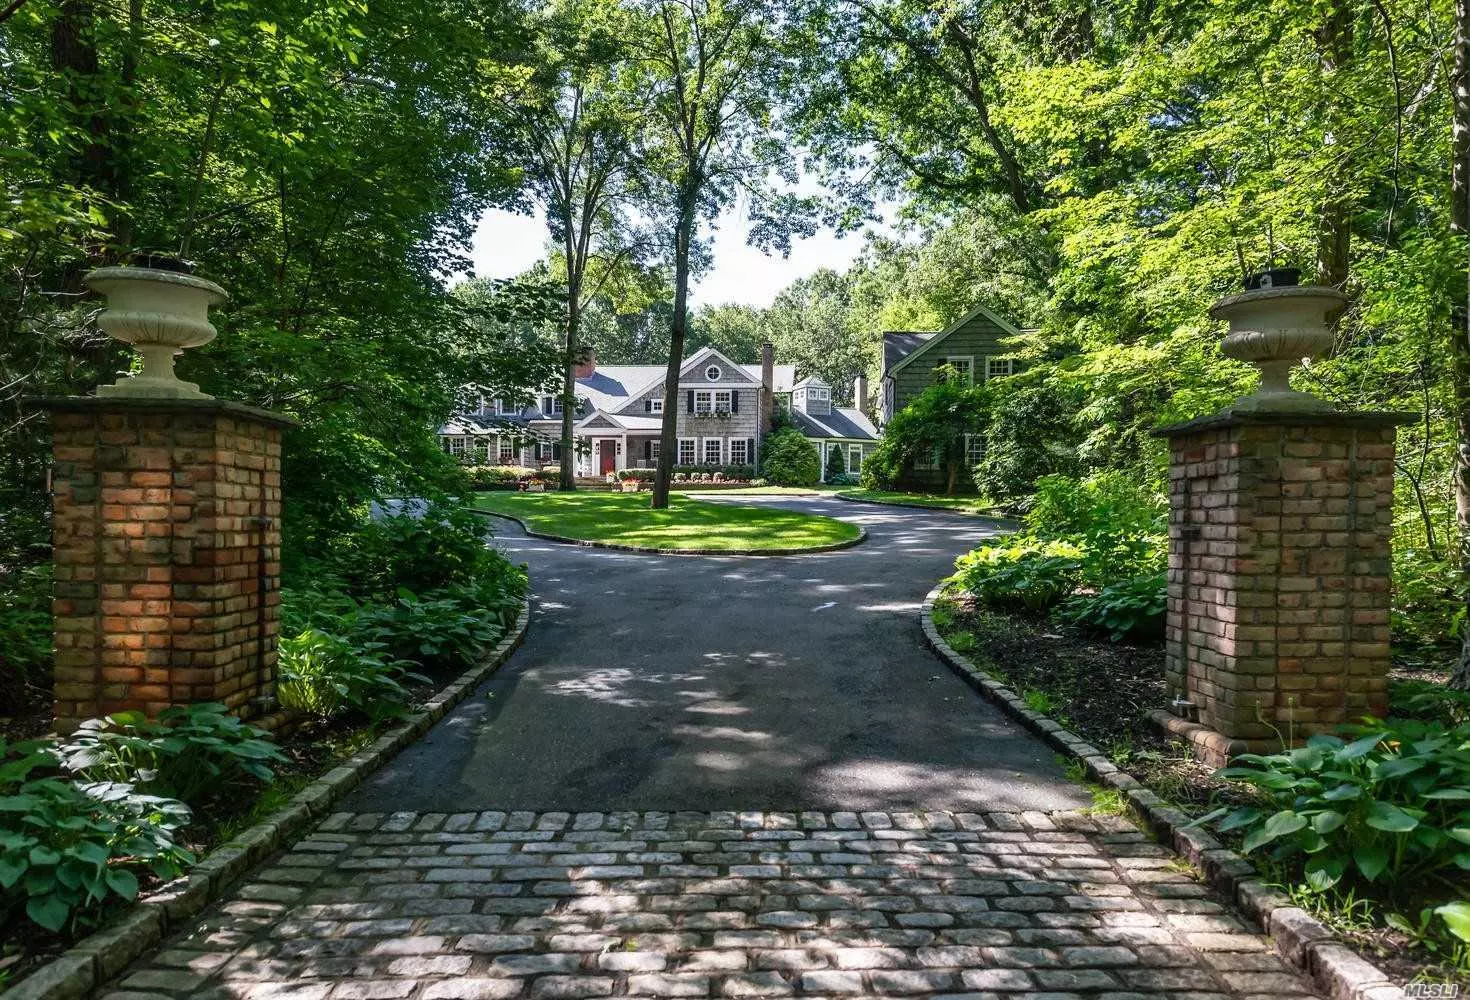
[(813, 379), (899, 344), (620, 421), (474, 424), (706, 354), (842, 422), (939, 338)]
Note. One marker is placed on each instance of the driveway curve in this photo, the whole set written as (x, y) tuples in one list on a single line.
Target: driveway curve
[(728, 682)]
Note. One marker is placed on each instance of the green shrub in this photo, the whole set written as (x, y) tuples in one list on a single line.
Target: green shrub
[(741, 472), (190, 752), (25, 633), (1133, 607), (1028, 573), (1428, 606), (499, 477), (845, 479), (789, 459), (1392, 805), (67, 847), (883, 466), (436, 630), (444, 546), (1104, 503), (328, 675)]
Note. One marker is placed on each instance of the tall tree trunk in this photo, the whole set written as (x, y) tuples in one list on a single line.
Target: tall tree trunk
[(669, 438), (1460, 311), (1334, 215), (569, 377)]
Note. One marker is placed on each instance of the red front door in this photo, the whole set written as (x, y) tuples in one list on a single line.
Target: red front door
[(608, 455)]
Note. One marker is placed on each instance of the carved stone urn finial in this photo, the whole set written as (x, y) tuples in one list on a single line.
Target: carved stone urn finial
[(160, 313), (1274, 324)]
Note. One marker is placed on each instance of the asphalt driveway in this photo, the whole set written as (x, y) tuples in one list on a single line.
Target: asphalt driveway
[(725, 682)]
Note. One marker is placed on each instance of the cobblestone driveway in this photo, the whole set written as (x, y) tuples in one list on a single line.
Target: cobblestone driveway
[(492, 906)]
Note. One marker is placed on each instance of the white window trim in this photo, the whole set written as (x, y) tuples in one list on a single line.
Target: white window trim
[(728, 397), (505, 451), (818, 393), (704, 451), (656, 405), (968, 359), (858, 450), (1010, 365), (679, 455), (716, 369), (708, 399), (730, 451)]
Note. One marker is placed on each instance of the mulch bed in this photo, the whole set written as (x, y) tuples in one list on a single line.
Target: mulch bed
[(1101, 690)]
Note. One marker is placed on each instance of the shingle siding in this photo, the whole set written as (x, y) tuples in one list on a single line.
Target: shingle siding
[(981, 337)]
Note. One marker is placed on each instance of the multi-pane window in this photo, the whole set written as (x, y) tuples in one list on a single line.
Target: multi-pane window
[(456, 446), (686, 451), (974, 449), (999, 367), (656, 405), (854, 458), (722, 402), (544, 451), (507, 451), (655, 448), (739, 451), (820, 395), (964, 366), (704, 403), (713, 451)]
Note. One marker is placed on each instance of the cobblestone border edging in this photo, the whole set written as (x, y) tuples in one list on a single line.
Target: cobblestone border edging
[(999, 519), (99, 957), (614, 546), (1300, 938)]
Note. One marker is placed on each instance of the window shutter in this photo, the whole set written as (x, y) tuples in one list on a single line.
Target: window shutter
[(750, 451), (648, 448), (735, 401), (648, 406), (690, 397)]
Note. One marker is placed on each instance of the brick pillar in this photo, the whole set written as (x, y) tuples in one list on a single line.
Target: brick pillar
[(167, 554), (1279, 569)]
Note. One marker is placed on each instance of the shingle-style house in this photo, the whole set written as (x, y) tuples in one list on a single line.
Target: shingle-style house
[(972, 344), (724, 415)]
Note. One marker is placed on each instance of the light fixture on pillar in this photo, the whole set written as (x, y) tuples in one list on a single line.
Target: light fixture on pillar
[(1274, 324), (160, 312)]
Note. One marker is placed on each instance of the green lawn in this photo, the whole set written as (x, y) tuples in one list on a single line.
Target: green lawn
[(625, 519), (959, 505)]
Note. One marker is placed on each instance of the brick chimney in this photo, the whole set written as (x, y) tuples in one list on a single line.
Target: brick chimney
[(587, 362), (768, 384), (860, 392)]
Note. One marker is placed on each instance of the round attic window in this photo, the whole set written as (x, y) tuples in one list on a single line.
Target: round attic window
[(712, 373)]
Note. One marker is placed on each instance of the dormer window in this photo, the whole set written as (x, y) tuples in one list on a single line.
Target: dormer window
[(713, 373), (820, 395)]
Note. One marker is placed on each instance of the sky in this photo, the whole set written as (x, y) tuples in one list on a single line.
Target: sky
[(506, 244)]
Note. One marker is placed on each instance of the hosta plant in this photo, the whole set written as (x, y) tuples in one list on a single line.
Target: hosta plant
[(1392, 804), (327, 675), (67, 847), (190, 752), (1129, 607), (1031, 574)]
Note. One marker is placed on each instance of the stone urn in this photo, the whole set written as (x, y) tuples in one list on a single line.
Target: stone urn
[(160, 313), (1274, 327)]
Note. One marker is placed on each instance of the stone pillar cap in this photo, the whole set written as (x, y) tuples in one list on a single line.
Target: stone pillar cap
[(145, 404), (1232, 416)]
